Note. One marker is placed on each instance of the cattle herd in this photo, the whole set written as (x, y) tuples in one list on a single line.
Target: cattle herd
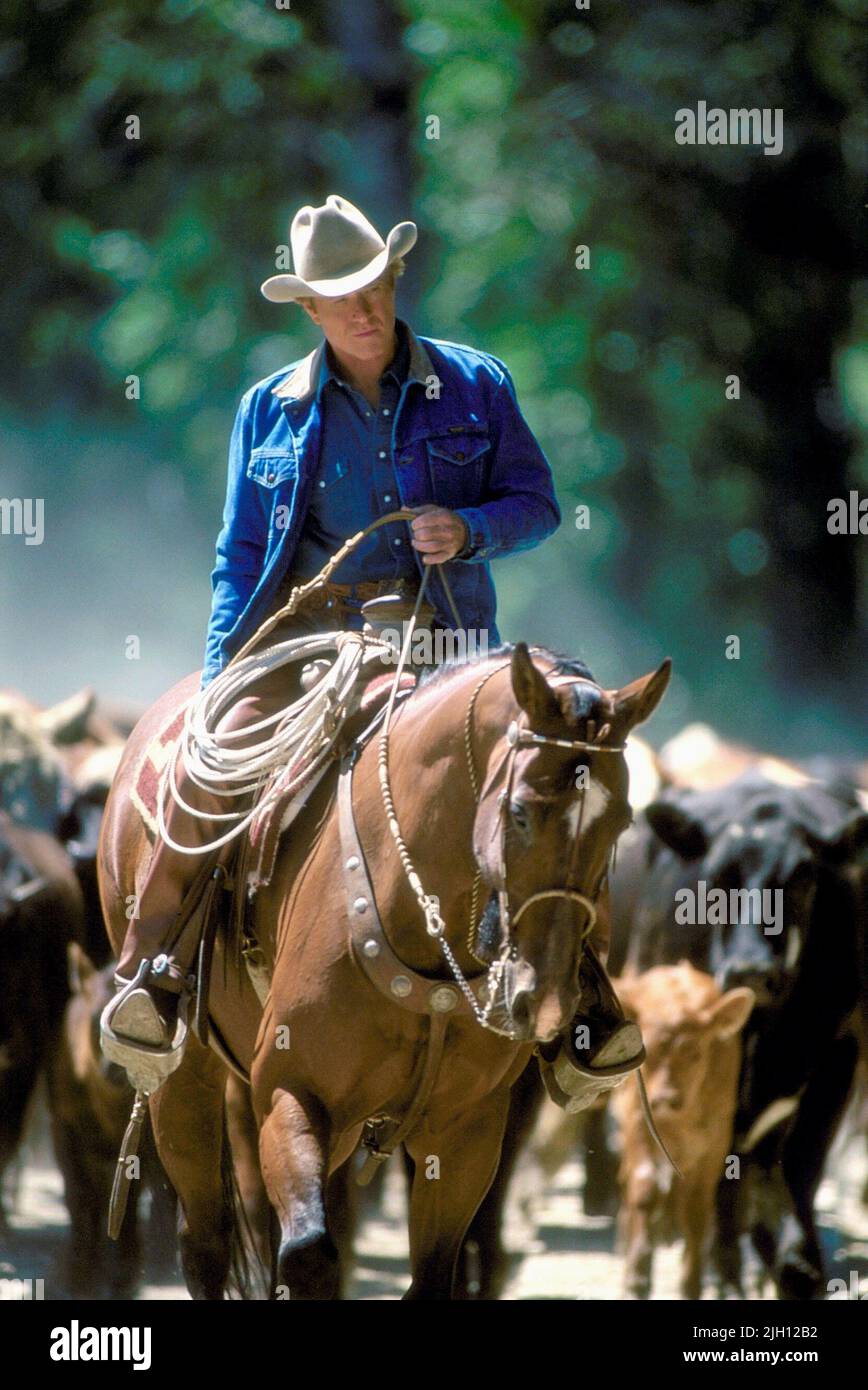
[(738, 922)]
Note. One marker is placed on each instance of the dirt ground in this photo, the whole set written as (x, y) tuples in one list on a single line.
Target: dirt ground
[(557, 1251)]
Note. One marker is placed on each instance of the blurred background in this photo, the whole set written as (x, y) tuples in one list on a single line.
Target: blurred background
[(556, 129)]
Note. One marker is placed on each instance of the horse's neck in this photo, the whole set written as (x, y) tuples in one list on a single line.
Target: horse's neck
[(435, 809)]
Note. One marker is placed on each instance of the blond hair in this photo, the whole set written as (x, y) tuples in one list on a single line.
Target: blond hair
[(395, 268)]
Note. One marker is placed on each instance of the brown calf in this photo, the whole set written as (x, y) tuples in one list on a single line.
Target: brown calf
[(691, 1034)]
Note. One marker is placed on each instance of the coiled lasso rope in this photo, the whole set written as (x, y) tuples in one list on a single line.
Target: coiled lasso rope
[(301, 735)]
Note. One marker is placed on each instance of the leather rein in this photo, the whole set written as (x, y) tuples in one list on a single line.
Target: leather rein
[(517, 736)]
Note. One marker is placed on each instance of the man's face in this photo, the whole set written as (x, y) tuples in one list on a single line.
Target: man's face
[(360, 325)]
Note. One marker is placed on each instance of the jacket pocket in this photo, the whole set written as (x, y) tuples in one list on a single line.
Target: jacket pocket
[(270, 467), (457, 464), (457, 449)]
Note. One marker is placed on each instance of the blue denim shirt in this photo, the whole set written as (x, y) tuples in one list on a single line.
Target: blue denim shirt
[(355, 481), (459, 440)]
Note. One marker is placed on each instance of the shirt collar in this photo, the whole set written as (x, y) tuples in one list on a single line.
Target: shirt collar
[(398, 367), (306, 378)]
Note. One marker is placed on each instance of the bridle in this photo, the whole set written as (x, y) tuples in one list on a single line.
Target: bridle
[(517, 736)]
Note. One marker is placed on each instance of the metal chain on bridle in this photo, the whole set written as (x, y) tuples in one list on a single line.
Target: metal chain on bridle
[(516, 737)]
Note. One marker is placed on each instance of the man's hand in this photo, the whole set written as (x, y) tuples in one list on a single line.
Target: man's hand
[(438, 534)]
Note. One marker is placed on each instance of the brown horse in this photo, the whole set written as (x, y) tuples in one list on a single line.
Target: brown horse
[(329, 1050)]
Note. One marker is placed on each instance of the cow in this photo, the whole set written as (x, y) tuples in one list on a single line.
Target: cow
[(697, 758), (90, 1103), (691, 1035), (36, 785), (41, 911), (56, 767), (761, 882), (691, 1032)]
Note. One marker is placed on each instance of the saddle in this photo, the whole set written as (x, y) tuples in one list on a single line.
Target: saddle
[(229, 879)]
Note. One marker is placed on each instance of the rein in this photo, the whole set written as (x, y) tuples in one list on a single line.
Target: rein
[(516, 737)]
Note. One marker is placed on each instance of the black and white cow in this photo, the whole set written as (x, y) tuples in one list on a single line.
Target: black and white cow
[(762, 884)]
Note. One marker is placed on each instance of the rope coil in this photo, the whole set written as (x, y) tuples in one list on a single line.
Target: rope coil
[(302, 735)]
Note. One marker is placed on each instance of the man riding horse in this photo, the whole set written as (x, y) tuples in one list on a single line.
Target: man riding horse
[(373, 420)]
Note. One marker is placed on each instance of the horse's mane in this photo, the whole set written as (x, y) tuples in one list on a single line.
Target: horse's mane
[(562, 665)]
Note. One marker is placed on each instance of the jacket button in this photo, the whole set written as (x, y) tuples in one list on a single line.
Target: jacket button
[(460, 457), (271, 477)]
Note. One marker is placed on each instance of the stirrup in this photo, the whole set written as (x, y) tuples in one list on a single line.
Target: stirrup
[(146, 1065), (573, 1085)]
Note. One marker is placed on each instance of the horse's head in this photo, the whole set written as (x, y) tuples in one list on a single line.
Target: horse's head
[(548, 817)]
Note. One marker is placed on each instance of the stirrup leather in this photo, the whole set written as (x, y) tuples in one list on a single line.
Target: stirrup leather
[(146, 1065)]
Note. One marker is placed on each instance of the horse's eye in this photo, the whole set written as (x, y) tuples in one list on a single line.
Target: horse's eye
[(519, 816)]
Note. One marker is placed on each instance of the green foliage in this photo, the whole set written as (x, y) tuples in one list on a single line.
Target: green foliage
[(144, 257), (622, 366)]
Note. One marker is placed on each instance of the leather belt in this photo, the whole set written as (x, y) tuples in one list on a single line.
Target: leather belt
[(332, 595)]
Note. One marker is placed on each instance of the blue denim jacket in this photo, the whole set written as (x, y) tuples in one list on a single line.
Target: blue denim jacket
[(459, 440)]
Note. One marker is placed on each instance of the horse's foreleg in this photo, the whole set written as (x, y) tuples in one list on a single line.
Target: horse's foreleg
[(454, 1168), (293, 1153), (187, 1116)]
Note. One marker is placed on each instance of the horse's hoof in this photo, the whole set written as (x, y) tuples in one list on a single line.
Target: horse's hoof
[(799, 1279), (309, 1268)]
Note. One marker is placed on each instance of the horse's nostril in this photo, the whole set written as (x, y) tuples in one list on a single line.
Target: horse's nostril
[(521, 1012)]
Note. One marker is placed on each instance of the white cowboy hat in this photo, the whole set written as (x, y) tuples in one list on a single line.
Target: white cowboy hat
[(336, 251)]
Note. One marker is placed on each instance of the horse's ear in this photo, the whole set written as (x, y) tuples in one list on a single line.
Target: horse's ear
[(530, 688), (638, 700), (67, 722)]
